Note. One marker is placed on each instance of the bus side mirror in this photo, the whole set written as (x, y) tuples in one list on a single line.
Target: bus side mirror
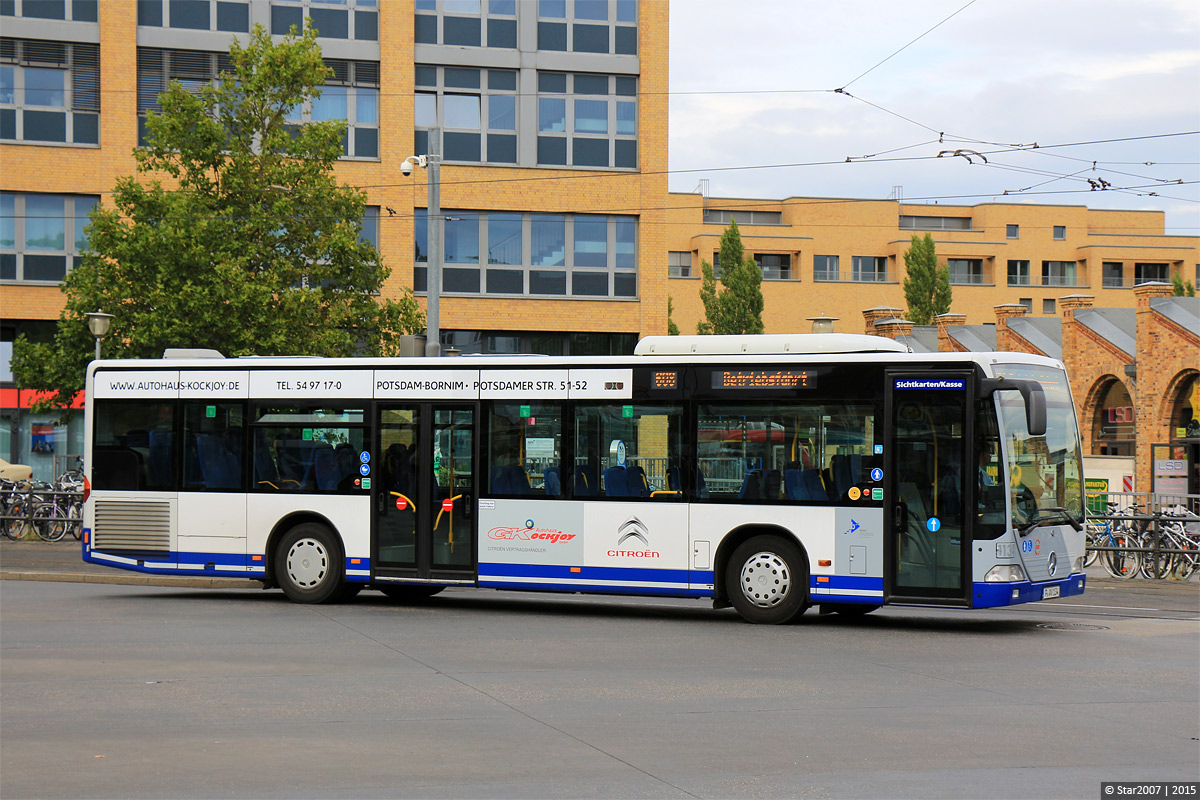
[(1031, 393)]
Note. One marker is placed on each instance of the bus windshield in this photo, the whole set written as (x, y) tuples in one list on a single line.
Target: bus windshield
[(1044, 472)]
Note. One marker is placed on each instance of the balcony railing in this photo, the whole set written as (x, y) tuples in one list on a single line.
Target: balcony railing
[(851, 276)]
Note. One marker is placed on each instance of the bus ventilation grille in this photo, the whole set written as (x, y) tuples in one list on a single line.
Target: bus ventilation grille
[(133, 525)]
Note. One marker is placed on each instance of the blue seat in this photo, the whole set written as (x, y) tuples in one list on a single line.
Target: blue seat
[(842, 475), (499, 484), (793, 485), (326, 469), (518, 479), (585, 482), (215, 464), (771, 485), (616, 484), (552, 482), (751, 486), (635, 480), (674, 479), (811, 479)]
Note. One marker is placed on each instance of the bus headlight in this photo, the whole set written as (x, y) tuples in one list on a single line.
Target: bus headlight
[(1005, 573), (1077, 566)]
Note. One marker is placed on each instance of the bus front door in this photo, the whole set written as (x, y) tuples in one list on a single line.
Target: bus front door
[(424, 526), (928, 547)]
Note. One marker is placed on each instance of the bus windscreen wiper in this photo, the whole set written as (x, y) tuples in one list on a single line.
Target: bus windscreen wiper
[(1042, 520)]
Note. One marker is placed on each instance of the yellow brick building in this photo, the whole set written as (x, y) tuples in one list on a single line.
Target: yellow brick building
[(839, 257)]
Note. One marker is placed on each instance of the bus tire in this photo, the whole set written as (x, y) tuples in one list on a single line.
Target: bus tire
[(409, 593), (308, 564), (766, 580)]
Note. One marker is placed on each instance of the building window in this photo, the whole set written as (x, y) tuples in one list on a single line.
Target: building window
[(1018, 273), (774, 266), (351, 94), (1058, 273), (965, 270), (726, 216), (679, 264), (49, 91), (467, 23), (200, 15), (587, 120), (1147, 273), (588, 26), (869, 269), (42, 235), (1048, 305), (1012, 231), (914, 223), (1028, 303), (825, 268), (475, 108), (73, 11), (578, 255), (333, 19), (1113, 275), (1060, 232)]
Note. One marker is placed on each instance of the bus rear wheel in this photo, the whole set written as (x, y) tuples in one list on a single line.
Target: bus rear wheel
[(308, 564), (767, 581)]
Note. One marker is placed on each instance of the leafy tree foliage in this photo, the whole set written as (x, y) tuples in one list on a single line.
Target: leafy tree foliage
[(738, 307), (926, 286), (234, 235), (1180, 287), (672, 328)]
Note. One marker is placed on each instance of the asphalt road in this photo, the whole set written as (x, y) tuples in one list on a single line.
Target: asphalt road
[(149, 691)]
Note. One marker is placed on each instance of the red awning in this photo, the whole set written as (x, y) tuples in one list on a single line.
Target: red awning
[(24, 398)]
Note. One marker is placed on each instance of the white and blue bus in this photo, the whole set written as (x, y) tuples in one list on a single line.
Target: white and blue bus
[(770, 473)]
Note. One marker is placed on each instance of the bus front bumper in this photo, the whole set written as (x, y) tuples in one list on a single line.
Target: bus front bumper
[(990, 595)]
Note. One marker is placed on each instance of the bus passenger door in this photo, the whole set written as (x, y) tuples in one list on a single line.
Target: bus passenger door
[(927, 546), (424, 526)]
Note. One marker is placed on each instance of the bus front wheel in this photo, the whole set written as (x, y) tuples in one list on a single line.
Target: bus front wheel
[(307, 564), (766, 580)]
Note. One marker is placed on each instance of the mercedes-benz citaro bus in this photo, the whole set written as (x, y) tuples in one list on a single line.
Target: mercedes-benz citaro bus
[(771, 473)]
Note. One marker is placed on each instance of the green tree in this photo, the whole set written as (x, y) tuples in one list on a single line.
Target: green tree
[(738, 307), (672, 328), (250, 247), (1180, 287), (926, 286)]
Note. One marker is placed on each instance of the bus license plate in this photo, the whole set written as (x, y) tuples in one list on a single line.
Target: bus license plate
[(1050, 592)]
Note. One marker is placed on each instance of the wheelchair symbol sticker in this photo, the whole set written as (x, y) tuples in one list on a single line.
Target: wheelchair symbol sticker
[(933, 524)]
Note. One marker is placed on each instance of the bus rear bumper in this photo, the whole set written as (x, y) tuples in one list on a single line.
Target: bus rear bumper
[(991, 595)]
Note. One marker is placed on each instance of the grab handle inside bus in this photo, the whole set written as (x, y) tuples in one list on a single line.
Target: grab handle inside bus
[(1031, 392)]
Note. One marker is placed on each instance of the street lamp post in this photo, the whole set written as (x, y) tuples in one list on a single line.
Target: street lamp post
[(432, 162), (98, 324)]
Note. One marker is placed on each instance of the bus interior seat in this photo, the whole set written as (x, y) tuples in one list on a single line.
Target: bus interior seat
[(264, 465), (220, 469), (615, 482), (840, 467), (326, 469), (499, 482), (793, 485), (518, 480), (635, 479), (751, 486), (552, 482), (674, 479), (771, 481), (811, 479), (162, 445), (585, 482)]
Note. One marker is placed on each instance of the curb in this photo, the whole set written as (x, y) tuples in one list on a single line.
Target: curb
[(131, 580)]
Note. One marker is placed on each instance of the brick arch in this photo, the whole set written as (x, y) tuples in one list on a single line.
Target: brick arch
[(1162, 418), (1087, 418)]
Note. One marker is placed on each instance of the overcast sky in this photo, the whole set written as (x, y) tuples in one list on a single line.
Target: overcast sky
[(752, 81)]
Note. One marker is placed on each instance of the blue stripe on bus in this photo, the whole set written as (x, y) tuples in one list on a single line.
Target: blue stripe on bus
[(630, 574), (990, 595), (168, 564), (589, 588), (861, 583)]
